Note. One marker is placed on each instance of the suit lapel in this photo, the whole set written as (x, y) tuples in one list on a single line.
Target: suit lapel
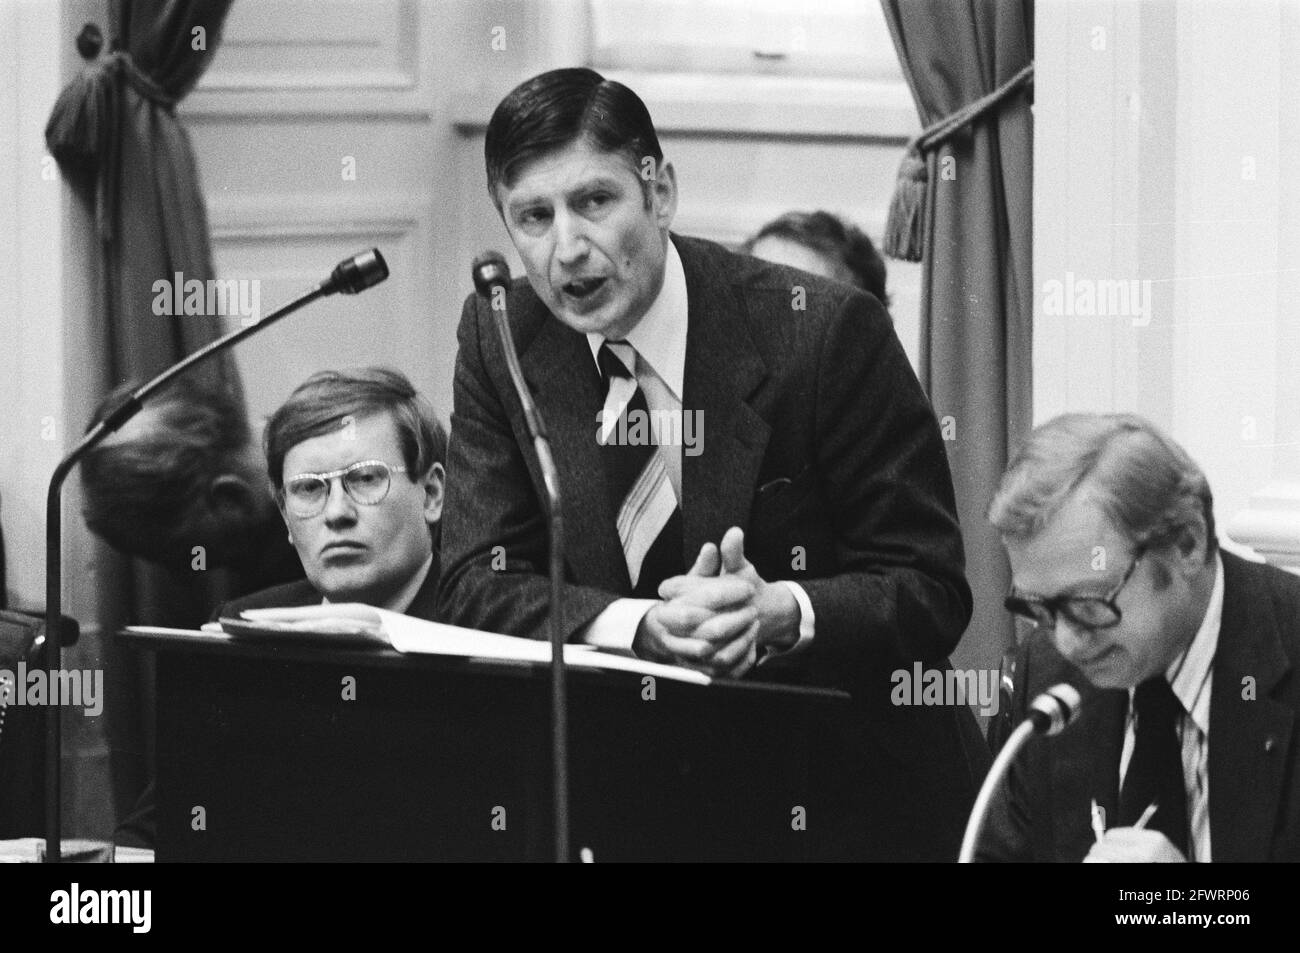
[(723, 370), (565, 383), (1249, 737), (1085, 767)]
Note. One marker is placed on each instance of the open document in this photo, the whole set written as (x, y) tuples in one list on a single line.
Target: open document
[(354, 623)]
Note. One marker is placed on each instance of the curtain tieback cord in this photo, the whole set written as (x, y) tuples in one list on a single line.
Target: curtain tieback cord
[(905, 228)]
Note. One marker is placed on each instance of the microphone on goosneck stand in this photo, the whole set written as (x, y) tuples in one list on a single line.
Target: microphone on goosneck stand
[(350, 276), (492, 281), (1049, 713)]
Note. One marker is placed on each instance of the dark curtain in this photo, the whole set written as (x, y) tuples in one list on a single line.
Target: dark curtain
[(976, 299), (115, 133)]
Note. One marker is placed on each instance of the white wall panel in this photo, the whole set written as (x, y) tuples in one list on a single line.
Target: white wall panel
[(1161, 134), (321, 57), (289, 246)]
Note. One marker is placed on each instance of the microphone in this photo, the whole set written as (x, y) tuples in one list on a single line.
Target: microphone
[(490, 271), (491, 277), (351, 276), (1049, 714), (1051, 711)]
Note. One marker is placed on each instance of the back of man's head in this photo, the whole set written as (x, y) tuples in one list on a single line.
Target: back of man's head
[(841, 244), (1142, 480), (327, 400), (556, 109), (148, 488)]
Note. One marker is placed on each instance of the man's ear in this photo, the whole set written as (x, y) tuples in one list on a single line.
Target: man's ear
[(434, 484), (1190, 548), (665, 192)]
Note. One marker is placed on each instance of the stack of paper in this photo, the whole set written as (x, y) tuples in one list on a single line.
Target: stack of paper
[(354, 622), (31, 850)]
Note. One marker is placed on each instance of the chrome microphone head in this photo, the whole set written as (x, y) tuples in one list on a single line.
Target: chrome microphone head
[(1051, 711), (363, 270)]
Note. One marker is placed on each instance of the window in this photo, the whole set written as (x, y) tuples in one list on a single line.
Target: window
[(831, 39)]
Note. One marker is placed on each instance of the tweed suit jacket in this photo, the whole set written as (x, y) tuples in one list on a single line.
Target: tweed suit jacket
[(817, 441)]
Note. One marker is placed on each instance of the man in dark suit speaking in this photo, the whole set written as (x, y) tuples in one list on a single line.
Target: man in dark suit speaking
[(1185, 745), (754, 482)]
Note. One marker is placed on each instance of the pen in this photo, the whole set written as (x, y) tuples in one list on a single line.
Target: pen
[(1098, 821), (1146, 816)]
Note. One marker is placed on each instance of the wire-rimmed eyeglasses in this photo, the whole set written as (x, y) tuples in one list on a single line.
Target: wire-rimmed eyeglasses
[(366, 481)]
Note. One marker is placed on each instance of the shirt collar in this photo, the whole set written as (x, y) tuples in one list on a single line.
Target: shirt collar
[(406, 595), (1188, 672), (660, 336)]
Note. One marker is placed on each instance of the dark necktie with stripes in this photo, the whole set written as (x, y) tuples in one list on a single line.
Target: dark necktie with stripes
[(1155, 769), (640, 493)]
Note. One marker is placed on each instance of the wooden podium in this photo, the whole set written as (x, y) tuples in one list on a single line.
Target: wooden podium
[(298, 752)]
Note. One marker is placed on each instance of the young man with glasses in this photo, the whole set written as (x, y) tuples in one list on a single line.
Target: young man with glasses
[(356, 463), (1185, 746), (355, 460)]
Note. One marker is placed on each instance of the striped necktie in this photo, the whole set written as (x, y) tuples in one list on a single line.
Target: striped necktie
[(1155, 769), (640, 493)]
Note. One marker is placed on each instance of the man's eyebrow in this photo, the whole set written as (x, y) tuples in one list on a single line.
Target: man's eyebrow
[(598, 182), (524, 202), (602, 181)]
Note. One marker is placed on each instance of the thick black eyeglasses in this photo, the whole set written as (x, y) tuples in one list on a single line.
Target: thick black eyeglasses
[(1089, 612), (366, 481)]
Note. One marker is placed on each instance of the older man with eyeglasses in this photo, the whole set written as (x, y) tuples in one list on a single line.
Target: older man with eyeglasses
[(1185, 746), (355, 460)]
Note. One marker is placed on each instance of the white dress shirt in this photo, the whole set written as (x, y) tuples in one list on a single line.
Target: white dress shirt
[(1191, 676), (660, 342)]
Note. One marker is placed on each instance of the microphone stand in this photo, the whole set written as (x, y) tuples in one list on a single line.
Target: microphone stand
[(979, 813), (1049, 714), (559, 692), (360, 275), (491, 273)]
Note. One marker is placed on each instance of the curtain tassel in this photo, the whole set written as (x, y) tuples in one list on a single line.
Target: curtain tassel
[(905, 228)]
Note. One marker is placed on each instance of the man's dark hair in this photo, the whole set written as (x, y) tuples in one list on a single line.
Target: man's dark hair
[(553, 110), (327, 400), (835, 238), (149, 486)]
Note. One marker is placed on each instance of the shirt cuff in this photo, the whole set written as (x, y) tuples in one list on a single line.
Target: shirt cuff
[(807, 622), (615, 628)]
